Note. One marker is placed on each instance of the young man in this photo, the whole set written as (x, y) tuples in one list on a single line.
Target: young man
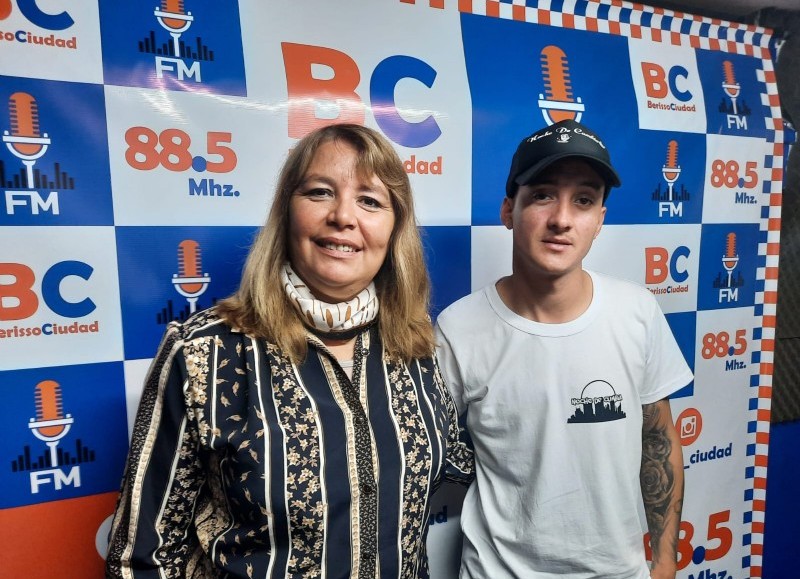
[(563, 376)]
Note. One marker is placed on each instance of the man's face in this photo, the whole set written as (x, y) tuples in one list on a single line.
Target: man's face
[(555, 219)]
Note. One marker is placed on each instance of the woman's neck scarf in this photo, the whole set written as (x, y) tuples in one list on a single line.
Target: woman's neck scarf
[(339, 321)]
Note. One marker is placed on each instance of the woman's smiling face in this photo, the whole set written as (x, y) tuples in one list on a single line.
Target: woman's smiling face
[(340, 224)]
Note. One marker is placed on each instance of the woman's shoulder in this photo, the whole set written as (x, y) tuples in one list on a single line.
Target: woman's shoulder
[(205, 324)]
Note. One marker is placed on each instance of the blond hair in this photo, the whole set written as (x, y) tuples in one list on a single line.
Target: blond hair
[(261, 307)]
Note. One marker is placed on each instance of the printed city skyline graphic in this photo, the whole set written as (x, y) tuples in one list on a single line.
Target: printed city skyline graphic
[(598, 402)]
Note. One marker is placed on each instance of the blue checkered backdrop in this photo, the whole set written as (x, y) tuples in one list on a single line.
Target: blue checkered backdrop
[(140, 150)]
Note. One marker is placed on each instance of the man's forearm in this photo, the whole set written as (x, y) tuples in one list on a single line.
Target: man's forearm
[(661, 477)]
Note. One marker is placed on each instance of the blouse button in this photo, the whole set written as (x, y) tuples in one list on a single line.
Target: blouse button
[(367, 488)]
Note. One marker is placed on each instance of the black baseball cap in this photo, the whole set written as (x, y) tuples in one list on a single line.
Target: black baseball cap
[(564, 139)]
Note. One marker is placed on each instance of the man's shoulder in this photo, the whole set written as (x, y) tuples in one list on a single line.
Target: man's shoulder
[(622, 291), (464, 309)]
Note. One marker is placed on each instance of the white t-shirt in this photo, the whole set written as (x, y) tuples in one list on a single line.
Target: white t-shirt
[(555, 414)]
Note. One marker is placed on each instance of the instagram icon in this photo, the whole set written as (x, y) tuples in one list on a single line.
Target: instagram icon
[(689, 424)]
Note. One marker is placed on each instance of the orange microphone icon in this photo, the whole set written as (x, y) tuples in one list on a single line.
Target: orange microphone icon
[(731, 259), (50, 424), (557, 103), (730, 86), (671, 170), (188, 281), (172, 17), (25, 141)]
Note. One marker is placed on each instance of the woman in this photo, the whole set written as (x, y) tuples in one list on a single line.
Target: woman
[(299, 428)]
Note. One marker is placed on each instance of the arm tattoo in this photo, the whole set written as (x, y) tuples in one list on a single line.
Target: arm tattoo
[(658, 479)]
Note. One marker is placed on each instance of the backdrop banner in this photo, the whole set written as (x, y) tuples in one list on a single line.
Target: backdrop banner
[(141, 144)]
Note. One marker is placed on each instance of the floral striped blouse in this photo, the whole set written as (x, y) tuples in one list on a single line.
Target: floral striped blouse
[(243, 464)]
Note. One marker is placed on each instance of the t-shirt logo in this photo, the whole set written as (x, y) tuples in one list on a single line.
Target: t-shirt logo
[(598, 402)]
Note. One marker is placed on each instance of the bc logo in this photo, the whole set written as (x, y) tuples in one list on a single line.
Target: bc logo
[(19, 301), (659, 264), (31, 11), (660, 83), (337, 89)]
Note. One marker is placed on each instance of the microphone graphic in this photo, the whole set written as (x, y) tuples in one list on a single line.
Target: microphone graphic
[(557, 104), (188, 282), (174, 20), (50, 424), (730, 259), (671, 170), (25, 141), (730, 86)]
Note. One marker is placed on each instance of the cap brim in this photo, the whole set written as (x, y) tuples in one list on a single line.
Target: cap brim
[(604, 169)]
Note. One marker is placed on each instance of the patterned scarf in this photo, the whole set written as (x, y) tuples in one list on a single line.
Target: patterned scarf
[(339, 321)]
